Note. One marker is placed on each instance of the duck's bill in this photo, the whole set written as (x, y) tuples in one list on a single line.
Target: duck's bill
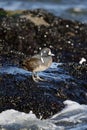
[(52, 54)]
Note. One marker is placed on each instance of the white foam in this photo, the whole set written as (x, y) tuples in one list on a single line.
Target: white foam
[(12, 116), (22, 120), (73, 113), (72, 117)]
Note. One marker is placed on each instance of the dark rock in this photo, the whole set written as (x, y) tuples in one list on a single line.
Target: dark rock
[(23, 94), (66, 38)]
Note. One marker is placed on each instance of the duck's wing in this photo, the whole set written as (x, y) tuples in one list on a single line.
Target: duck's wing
[(32, 63)]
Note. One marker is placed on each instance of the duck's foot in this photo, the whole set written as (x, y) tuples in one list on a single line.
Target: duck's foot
[(34, 78), (41, 79)]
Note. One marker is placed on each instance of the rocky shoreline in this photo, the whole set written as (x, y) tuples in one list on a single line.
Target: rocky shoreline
[(24, 33)]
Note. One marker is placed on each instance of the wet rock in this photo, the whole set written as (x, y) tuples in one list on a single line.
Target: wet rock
[(22, 93), (79, 70)]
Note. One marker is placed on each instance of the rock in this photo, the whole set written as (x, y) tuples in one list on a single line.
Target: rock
[(19, 32), (23, 94)]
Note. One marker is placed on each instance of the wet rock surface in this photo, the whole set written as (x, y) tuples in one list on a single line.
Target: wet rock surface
[(24, 33)]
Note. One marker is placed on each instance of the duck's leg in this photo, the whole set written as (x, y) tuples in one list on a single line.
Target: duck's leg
[(36, 78)]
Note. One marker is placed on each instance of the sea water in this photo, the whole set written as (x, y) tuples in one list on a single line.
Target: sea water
[(70, 9)]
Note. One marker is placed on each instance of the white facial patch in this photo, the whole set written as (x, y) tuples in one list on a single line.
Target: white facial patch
[(42, 60), (49, 53)]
